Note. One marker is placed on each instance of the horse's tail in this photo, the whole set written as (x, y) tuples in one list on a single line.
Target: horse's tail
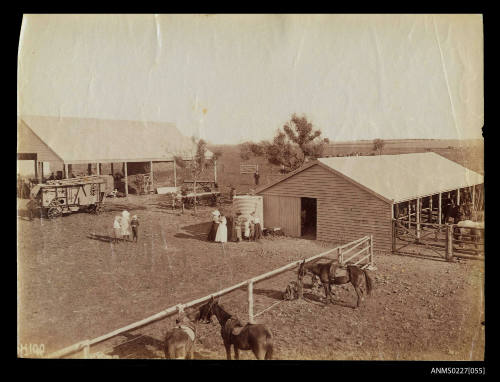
[(369, 281), (269, 345)]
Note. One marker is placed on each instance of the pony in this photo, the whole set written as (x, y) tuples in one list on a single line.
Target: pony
[(255, 337), (326, 273), (179, 341)]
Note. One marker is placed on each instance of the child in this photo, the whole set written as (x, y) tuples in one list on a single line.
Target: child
[(257, 229), (237, 226), (117, 228), (134, 223), (221, 236), (246, 227), (252, 227)]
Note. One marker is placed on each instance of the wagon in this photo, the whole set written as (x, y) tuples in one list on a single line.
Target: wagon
[(58, 197)]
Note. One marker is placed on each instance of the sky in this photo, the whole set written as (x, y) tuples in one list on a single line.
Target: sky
[(234, 78)]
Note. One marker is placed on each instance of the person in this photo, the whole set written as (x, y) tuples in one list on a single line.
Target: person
[(257, 229), (221, 236), (251, 226), (134, 223), (214, 226), (117, 228), (230, 227), (256, 177), (125, 224), (237, 226), (52, 176), (246, 229), (232, 193)]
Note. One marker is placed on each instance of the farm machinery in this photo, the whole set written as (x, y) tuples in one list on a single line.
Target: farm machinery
[(58, 197)]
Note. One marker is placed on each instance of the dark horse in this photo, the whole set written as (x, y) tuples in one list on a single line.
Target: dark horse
[(326, 273), (255, 337), (179, 341)]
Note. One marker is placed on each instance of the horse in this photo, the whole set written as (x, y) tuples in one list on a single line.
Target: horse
[(468, 228), (326, 273), (255, 337), (179, 341)]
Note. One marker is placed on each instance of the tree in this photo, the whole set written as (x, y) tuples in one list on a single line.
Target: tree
[(378, 145), (198, 163), (292, 146)]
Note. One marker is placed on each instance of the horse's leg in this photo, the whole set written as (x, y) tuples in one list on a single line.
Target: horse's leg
[(358, 292), (327, 294), (259, 351), (228, 351), (236, 352)]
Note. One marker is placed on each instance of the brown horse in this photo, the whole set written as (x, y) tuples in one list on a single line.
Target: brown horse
[(326, 273), (179, 341), (255, 337)]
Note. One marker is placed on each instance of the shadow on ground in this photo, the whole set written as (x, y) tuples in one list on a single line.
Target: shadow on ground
[(274, 294), (195, 231)]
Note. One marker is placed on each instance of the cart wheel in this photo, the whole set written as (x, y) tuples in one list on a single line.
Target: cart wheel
[(54, 210)]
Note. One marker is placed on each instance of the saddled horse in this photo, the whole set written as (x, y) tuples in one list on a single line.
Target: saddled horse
[(255, 337), (326, 273), (469, 229), (179, 341)]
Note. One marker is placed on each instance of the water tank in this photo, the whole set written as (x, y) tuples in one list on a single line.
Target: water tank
[(246, 204)]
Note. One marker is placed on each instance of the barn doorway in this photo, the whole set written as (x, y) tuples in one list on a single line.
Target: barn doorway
[(308, 215)]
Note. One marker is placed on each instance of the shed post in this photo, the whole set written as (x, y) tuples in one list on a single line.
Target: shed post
[(409, 214), (458, 197), (41, 171), (89, 169), (250, 302), (439, 209), (394, 231), (431, 212), (112, 170), (449, 242), (215, 171), (66, 172), (151, 175), (473, 197), (175, 174), (418, 218), (125, 177), (98, 169)]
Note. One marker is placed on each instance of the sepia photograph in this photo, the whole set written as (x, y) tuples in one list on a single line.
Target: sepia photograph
[(251, 187)]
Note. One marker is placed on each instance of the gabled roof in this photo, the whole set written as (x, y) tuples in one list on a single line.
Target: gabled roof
[(90, 140), (396, 178)]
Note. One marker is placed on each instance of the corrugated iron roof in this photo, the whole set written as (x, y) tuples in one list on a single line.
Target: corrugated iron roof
[(398, 177), (85, 140)]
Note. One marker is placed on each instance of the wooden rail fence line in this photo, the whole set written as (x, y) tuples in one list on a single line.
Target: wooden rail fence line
[(86, 344)]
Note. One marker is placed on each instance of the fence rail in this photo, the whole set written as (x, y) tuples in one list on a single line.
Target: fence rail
[(85, 345)]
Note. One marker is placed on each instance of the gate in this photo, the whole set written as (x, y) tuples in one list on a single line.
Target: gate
[(441, 241)]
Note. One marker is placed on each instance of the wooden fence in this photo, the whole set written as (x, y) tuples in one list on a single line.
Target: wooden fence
[(341, 251), (445, 240)]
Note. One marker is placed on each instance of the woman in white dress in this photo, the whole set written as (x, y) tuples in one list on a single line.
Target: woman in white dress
[(125, 225), (221, 236)]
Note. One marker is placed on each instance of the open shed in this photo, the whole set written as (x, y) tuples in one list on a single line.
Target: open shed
[(341, 198), (64, 141)]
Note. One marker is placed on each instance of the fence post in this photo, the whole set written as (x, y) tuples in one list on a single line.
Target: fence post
[(86, 350), (341, 256), (371, 250), (250, 302), (449, 242)]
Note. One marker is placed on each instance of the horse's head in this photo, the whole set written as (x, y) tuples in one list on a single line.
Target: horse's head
[(206, 311), (301, 272)]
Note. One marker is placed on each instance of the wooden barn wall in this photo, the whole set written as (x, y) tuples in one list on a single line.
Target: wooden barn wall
[(345, 211), (284, 212), (28, 142)]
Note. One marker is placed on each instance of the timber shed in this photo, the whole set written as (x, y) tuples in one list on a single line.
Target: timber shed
[(340, 199)]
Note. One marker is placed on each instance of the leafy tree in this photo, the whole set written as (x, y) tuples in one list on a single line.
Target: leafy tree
[(292, 146), (378, 145)]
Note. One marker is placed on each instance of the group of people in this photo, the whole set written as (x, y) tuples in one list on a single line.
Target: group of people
[(122, 225), (234, 228)]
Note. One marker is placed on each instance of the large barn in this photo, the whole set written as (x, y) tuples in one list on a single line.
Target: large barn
[(340, 199)]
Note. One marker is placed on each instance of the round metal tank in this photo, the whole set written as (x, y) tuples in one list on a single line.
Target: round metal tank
[(246, 204)]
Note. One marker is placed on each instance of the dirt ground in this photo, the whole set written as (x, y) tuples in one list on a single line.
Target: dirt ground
[(74, 284)]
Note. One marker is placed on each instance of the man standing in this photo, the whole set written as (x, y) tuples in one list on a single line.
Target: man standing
[(256, 177)]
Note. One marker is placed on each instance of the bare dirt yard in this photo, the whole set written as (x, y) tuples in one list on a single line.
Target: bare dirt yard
[(74, 284)]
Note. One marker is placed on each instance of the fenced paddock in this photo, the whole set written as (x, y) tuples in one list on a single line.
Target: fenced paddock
[(442, 241), (349, 253)]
